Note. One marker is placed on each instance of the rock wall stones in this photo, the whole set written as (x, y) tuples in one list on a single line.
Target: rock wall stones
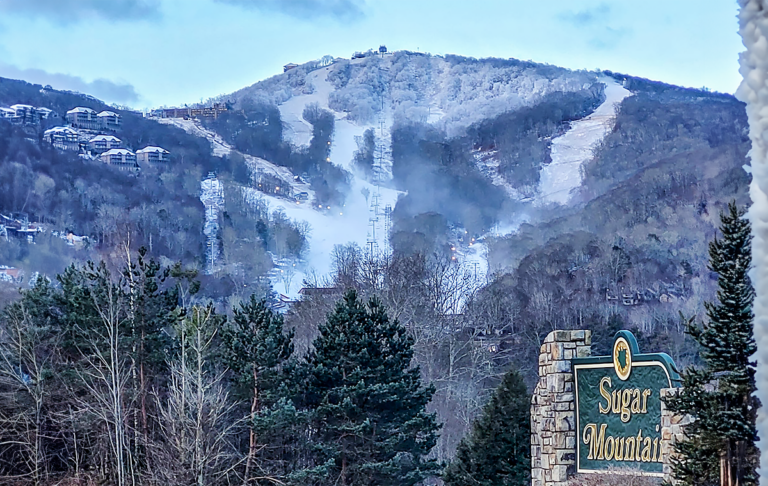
[(553, 408)]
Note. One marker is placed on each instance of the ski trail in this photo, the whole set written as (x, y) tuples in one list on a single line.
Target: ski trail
[(575, 147), (212, 197)]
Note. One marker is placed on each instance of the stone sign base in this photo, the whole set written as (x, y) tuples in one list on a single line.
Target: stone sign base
[(553, 408), (553, 412)]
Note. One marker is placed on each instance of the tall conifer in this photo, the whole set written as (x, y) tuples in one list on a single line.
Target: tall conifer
[(497, 450), (365, 403), (721, 438), (254, 348)]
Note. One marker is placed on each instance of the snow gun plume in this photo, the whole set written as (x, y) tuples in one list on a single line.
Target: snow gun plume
[(753, 28)]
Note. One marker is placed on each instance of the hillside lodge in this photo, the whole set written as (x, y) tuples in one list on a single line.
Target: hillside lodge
[(21, 114), (102, 143), (63, 138), (189, 113), (123, 158), (81, 117), (152, 155)]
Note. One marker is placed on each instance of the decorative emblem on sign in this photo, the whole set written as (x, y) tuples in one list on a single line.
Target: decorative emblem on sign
[(622, 358)]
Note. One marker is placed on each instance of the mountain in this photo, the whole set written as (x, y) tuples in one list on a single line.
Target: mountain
[(486, 202)]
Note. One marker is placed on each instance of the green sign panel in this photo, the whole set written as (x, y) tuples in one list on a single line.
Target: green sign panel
[(618, 408)]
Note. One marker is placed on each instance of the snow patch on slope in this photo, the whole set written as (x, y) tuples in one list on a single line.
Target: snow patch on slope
[(327, 226), (346, 132), (212, 197), (255, 164), (572, 149), (218, 145)]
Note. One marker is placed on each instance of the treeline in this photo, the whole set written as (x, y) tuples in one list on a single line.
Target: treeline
[(458, 344), (128, 377)]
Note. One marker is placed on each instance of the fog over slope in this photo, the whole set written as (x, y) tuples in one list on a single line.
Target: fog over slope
[(384, 93)]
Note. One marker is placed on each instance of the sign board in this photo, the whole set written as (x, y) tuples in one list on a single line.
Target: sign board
[(618, 408)]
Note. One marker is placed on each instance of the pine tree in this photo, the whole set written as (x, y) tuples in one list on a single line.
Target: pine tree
[(254, 348), (366, 406), (497, 451), (719, 397)]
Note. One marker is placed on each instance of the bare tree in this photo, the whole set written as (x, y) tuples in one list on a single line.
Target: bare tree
[(195, 416), (25, 358), (104, 372)]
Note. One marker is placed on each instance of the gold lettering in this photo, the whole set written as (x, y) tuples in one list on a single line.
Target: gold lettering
[(609, 452), (616, 401), (591, 440), (655, 449), (601, 441), (636, 400), (605, 394), (629, 453), (618, 449), (646, 392), (647, 449), (626, 396), (638, 441)]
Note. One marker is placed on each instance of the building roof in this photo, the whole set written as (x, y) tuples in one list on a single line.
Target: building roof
[(290, 65), (45, 110), (108, 113), (152, 149), (105, 138), (118, 152), (22, 107), (81, 109), (7, 110), (60, 130)]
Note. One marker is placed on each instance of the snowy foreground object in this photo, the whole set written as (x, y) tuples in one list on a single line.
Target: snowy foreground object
[(576, 146), (753, 28)]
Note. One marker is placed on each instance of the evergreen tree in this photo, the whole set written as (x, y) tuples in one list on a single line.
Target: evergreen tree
[(365, 404), (255, 346), (150, 311), (721, 439), (497, 451)]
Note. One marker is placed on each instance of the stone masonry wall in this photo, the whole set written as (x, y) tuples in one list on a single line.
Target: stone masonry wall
[(553, 408)]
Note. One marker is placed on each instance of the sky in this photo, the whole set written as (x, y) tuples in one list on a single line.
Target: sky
[(150, 53)]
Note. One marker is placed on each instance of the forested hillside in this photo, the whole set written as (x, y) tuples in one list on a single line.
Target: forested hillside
[(159, 208), (420, 185)]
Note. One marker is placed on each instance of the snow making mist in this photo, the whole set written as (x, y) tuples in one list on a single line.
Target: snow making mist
[(753, 28)]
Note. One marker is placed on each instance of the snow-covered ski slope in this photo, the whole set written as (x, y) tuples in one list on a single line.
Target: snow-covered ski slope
[(450, 93), (576, 146), (328, 227), (221, 149), (212, 197)]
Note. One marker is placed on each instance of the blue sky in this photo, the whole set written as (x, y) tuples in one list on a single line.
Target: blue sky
[(146, 53)]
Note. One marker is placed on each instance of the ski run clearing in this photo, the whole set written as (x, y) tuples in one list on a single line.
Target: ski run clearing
[(572, 149), (362, 219)]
